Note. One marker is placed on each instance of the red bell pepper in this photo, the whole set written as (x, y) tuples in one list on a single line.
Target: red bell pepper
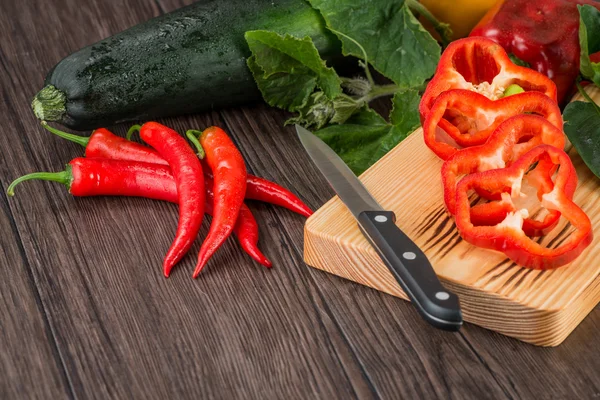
[(480, 65), (508, 236), (461, 118), (542, 33), (513, 138)]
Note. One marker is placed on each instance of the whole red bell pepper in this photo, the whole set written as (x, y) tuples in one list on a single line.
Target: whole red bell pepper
[(508, 235), (542, 33), (461, 118), (480, 65), (514, 137)]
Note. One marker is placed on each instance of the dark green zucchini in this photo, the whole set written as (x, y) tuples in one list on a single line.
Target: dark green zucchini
[(190, 60)]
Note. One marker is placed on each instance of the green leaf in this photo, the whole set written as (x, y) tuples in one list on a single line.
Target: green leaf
[(396, 43), (366, 137), (589, 41), (582, 126), (287, 91), (405, 106), (288, 69)]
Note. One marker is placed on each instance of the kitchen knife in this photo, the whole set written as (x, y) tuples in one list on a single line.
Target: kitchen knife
[(402, 256)]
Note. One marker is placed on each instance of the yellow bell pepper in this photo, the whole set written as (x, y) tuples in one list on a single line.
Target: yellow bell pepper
[(462, 15)]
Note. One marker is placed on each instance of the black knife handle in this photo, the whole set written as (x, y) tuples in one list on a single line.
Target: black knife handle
[(412, 270)]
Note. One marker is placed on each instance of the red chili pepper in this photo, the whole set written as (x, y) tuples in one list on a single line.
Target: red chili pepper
[(543, 33), (480, 65), (105, 177), (269, 192), (245, 228), (104, 144), (189, 178), (460, 118), (508, 236), (229, 172), (511, 139)]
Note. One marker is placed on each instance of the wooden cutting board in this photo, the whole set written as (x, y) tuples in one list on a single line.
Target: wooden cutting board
[(539, 307)]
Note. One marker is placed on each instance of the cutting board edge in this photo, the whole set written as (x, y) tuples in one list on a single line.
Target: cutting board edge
[(554, 326), (334, 202)]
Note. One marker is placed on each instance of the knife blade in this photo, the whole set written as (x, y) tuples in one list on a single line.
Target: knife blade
[(405, 260)]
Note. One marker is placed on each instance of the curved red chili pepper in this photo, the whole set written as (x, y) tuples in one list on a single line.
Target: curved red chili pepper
[(510, 140), (229, 172), (104, 144), (508, 236), (460, 118), (105, 177), (269, 192), (189, 178), (479, 64), (246, 229)]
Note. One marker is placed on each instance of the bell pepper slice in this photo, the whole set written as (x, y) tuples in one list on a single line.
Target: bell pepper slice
[(508, 236), (513, 138), (479, 64), (461, 118)]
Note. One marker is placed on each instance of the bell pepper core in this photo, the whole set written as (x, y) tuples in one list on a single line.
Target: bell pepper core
[(543, 33), (479, 64), (513, 138), (508, 236)]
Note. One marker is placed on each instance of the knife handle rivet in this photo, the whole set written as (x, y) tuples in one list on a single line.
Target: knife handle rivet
[(442, 296), (409, 255), (381, 218)]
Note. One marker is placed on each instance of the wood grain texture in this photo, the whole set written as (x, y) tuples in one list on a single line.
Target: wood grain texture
[(29, 360), (240, 331), (540, 307), (381, 328), (116, 329)]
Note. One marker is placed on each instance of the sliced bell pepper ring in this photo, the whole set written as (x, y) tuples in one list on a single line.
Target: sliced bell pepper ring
[(479, 64), (461, 118), (511, 139), (508, 236)]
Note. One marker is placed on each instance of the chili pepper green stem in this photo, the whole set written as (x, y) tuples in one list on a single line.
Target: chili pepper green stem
[(80, 140), (440, 27), (65, 177), (134, 128), (586, 96), (193, 135)]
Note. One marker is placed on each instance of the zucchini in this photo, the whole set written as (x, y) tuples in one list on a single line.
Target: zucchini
[(190, 60)]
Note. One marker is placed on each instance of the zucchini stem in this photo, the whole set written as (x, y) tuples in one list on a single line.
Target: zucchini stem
[(49, 104)]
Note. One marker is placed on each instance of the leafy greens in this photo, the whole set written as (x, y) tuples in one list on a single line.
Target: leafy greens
[(385, 35)]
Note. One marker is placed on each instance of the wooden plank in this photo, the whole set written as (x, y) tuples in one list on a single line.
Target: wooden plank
[(122, 329), (30, 362), (569, 371), (386, 334)]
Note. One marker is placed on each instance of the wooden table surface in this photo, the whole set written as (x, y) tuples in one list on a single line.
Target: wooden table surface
[(86, 313)]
